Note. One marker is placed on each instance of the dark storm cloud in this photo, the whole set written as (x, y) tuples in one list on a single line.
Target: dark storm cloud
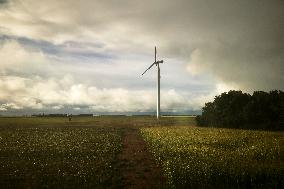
[(239, 42)]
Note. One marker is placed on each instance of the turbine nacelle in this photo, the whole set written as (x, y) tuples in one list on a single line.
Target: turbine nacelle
[(155, 63), (159, 62)]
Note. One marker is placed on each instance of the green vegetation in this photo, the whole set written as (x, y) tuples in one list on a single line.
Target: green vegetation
[(100, 121), (48, 152), (58, 157), (53, 152), (235, 109), (218, 158)]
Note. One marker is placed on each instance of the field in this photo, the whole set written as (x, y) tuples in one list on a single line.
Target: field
[(73, 157), (136, 152), (220, 158)]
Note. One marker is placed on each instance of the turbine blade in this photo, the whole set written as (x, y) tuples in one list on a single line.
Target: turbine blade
[(149, 68), (155, 54)]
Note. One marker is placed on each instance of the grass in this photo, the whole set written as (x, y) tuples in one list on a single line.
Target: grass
[(194, 157), (101, 121)]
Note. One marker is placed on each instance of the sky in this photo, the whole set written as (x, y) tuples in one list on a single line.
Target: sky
[(88, 56)]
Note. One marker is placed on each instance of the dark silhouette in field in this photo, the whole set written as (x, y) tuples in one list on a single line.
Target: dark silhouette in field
[(235, 109)]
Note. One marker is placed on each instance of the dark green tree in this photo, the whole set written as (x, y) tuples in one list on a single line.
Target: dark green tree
[(236, 109)]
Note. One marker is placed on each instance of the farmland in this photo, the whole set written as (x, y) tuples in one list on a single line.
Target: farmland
[(135, 152), (72, 157), (218, 158)]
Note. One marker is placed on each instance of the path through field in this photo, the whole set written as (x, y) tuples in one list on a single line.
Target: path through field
[(137, 165)]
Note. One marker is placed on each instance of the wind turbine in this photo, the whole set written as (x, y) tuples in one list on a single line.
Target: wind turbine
[(157, 63)]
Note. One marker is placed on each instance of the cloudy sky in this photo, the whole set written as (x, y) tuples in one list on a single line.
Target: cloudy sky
[(88, 55)]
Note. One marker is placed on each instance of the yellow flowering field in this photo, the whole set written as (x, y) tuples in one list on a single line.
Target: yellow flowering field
[(193, 157)]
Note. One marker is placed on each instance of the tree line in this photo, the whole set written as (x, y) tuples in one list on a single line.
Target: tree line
[(235, 109)]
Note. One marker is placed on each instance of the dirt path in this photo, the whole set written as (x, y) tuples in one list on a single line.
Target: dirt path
[(137, 165)]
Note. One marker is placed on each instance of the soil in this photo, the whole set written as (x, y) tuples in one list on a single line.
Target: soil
[(137, 165)]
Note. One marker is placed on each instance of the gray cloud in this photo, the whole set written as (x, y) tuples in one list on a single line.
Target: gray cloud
[(3, 1), (208, 47), (70, 49)]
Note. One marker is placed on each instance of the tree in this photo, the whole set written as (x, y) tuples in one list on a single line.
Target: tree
[(236, 109)]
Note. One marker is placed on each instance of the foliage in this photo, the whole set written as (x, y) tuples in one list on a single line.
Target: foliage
[(218, 158), (235, 109)]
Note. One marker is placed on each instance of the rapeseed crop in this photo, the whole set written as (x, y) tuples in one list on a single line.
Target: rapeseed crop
[(58, 157), (193, 157)]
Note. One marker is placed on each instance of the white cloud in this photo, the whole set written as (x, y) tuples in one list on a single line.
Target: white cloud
[(7, 106), (16, 57), (32, 80), (40, 94), (57, 107)]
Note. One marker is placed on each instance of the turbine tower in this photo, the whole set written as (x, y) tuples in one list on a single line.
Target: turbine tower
[(157, 63)]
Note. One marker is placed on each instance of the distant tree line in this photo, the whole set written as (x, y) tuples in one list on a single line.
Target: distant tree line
[(235, 109), (49, 115), (62, 115)]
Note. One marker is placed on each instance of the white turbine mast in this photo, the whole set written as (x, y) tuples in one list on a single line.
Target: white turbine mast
[(157, 63)]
